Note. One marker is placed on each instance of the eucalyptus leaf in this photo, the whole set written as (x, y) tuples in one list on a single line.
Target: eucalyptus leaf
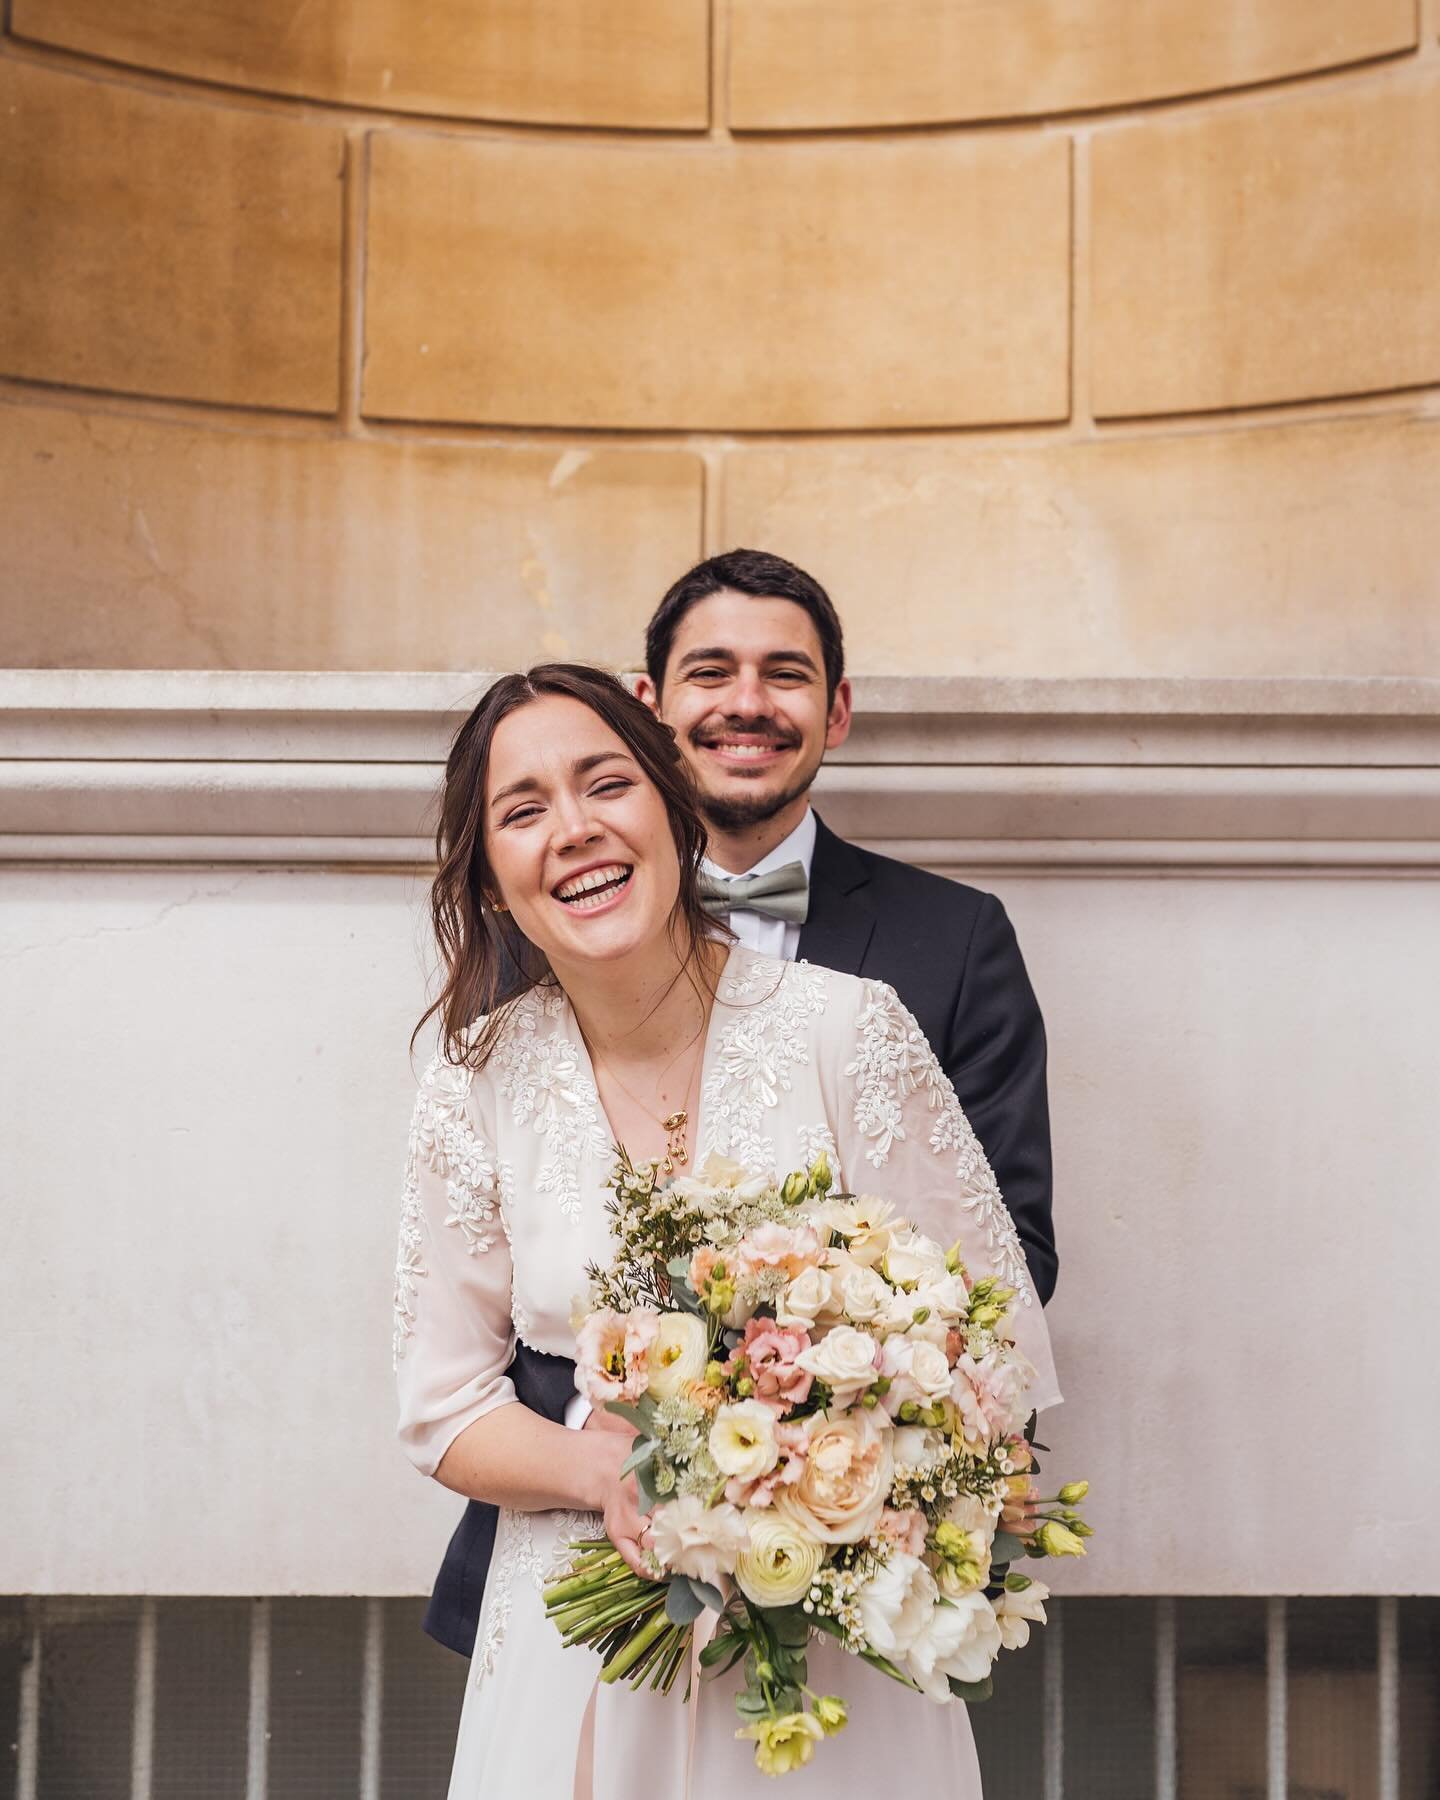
[(790, 1625), (709, 1593), (1005, 1548), (638, 1416), (643, 1452), (682, 1603), (751, 1704)]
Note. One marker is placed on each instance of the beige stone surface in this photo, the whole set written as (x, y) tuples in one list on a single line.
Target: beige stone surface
[(167, 247), (1278, 252), (809, 63), (595, 62), (851, 284), (1307, 549), (136, 544)]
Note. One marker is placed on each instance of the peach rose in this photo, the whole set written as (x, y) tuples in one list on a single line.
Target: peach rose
[(846, 1480)]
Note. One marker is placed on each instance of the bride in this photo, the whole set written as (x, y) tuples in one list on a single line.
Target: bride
[(588, 1002)]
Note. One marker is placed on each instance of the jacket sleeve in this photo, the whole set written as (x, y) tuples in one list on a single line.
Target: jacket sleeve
[(995, 1060), (454, 1334)]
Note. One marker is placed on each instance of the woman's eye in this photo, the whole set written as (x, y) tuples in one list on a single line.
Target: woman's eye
[(522, 815), (618, 786)]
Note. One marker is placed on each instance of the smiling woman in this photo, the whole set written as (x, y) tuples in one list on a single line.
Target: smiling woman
[(569, 836)]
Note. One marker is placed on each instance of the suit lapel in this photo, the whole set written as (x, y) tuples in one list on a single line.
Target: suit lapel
[(841, 923)]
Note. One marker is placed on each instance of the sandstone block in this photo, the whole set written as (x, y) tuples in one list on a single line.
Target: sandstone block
[(140, 544), (1281, 252), (829, 285), (577, 62), (812, 63), (166, 247), (1281, 551)]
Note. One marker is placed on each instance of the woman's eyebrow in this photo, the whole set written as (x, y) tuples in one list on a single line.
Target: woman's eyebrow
[(582, 765)]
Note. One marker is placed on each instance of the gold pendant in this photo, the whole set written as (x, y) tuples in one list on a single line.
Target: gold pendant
[(675, 1151)]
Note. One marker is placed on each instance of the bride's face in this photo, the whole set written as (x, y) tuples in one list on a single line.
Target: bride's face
[(577, 837)]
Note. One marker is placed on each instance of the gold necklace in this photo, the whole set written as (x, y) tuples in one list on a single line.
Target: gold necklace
[(673, 1124)]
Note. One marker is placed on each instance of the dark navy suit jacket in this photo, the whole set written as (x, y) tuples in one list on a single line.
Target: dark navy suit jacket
[(951, 955)]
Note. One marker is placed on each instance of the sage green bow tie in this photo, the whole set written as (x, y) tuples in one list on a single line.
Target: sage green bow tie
[(783, 893)]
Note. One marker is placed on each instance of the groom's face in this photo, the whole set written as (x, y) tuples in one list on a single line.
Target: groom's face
[(744, 692)]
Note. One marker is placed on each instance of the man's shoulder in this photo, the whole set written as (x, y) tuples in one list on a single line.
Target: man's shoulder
[(920, 890)]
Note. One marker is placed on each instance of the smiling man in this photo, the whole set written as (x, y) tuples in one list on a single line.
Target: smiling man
[(745, 661)]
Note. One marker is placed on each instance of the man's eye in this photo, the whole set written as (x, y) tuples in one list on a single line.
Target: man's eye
[(708, 674)]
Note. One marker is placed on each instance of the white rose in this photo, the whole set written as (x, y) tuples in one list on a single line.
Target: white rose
[(804, 1299), (912, 1258), (959, 1638), (944, 1295), (696, 1539), (742, 1439), (844, 1360), (863, 1295), (781, 1562), (845, 1481), (678, 1355), (895, 1603), (1016, 1613), (917, 1370)]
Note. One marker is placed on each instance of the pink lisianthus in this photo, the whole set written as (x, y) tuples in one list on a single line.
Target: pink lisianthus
[(789, 1248), (794, 1444), (770, 1351), (613, 1354), (905, 1530)]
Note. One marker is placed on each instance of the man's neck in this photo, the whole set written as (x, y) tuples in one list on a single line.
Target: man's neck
[(737, 852)]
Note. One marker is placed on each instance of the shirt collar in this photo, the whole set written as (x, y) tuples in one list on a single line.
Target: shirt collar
[(798, 847)]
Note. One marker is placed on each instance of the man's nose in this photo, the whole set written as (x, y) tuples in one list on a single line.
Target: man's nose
[(749, 698)]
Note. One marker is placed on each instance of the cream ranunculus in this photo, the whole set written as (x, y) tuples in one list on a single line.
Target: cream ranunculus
[(805, 1299), (742, 1439), (696, 1539), (678, 1355), (1016, 1613), (781, 1562), (845, 1360), (895, 1603), (862, 1223), (846, 1479)]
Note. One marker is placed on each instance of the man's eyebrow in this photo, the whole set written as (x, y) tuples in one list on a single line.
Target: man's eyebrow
[(720, 654), (581, 766)]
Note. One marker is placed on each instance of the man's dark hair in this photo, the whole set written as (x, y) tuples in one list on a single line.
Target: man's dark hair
[(763, 577)]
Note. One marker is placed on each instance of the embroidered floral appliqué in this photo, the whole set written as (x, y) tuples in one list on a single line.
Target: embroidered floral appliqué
[(540, 1072), (893, 1061), (757, 1050), (813, 1139), (442, 1140), (516, 1554)]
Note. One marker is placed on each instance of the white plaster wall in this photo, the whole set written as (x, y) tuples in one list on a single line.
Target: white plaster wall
[(206, 1095)]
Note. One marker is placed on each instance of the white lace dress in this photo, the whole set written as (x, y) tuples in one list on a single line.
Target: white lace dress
[(503, 1208)]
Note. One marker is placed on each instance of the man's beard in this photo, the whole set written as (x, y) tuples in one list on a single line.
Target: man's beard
[(741, 813)]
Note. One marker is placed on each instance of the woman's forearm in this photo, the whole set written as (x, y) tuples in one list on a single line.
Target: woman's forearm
[(513, 1457)]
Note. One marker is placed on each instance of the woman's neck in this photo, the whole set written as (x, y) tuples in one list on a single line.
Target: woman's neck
[(643, 1008)]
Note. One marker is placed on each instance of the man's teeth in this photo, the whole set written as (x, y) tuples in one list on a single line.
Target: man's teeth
[(594, 886), (747, 749)]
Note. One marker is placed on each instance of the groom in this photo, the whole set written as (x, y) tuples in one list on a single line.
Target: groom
[(745, 662)]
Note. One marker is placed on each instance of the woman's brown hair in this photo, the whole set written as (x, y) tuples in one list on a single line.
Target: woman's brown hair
[(489, 962)]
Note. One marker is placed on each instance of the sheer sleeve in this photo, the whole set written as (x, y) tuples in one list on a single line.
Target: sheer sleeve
[(454, 1335), (903, 1136)]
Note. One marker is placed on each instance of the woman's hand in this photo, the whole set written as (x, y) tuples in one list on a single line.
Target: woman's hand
[(617, 1496)]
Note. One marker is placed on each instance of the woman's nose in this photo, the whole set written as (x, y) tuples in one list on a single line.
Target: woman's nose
[(574, 824)]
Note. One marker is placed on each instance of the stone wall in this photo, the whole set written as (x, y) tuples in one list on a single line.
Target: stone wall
[(1064, 338)]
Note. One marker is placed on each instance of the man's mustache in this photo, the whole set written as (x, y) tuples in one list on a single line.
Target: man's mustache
[(708, 735)]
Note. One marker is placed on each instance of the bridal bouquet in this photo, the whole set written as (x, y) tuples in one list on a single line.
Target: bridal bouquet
[(832, 1435)]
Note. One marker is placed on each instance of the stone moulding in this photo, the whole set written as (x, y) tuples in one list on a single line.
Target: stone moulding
[(961, 774)]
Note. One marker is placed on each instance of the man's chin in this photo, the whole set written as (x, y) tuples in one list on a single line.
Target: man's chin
[(743, 811)]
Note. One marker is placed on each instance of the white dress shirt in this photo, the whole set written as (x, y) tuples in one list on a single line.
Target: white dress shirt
[(756, 931), (771, 937)]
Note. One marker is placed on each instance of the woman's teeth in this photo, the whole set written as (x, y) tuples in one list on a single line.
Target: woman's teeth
[(595, 886)]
